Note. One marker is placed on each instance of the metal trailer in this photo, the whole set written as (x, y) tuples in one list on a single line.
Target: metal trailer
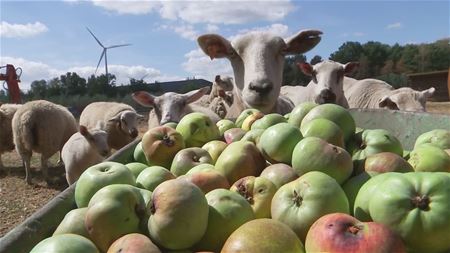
[(405, 125)]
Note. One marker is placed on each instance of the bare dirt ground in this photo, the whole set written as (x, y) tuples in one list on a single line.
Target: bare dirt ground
[(18, 200)]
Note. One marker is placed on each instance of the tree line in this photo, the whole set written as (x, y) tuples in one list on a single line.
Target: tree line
[(377, 60)]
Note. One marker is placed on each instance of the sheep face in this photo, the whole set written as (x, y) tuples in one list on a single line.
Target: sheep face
[(97, 139), (406, 99), (257, 59), (126, 121), (169, 107), (327, 79)]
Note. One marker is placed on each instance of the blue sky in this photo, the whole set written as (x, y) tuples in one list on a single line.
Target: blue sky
[(49, 38)]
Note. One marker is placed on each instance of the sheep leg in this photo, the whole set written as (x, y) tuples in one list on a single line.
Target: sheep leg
[(26, 157), (44, 166)]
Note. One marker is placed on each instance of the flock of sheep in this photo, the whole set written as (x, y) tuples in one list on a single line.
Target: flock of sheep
[(257, 60)]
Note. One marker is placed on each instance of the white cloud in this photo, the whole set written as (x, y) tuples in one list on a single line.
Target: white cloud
[(8, 30), (40, 71), (202, 66), (185, 31), (128, 7), (397, 25), (212, 11), (276, 29), (210, 28)]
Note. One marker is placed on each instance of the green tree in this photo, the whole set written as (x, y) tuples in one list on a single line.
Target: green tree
[(73, 84), (292, 75), (38, 89), (349, 51), (316, 59)]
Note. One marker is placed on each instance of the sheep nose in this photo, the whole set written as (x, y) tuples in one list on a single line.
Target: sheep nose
[(133, 133), (327, 96), (261, 87)]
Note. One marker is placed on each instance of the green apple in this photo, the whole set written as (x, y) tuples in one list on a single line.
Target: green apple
[(278, 141), (324, 129), (197, 129), (138, 154), (436, 137), (301, 202), (188, 158), (114, 211), (233, 135), (268, 120), (171, 125), (161, 144), (152, 177), (67, 243), (240, 159), (73, 223), (370, 142), (179, 215), (335, 113), (97, 176), (428, 157), (244, 114), (287, 116), (280, 174), (253, 135), (263, 235), (415, 205), (386, 162), (214, 148), (315, 154), (136, 168), (207, 180), (224, 125), (133, 243), (247, 123), (352, 186), (227, 212), (201, 167), (258, 191), (299, 112)]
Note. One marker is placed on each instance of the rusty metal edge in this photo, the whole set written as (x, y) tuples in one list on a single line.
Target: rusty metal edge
[(43, 222)]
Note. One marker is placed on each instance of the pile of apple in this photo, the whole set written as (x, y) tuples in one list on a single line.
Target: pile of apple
[(309, 181)]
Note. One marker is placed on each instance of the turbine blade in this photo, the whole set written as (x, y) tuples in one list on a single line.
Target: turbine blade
[(101, 57), (98, 41), (122, 45)]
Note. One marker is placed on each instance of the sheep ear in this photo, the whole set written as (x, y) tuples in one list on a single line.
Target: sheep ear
[(215, 46), (302, 42), (350, 67), (386, 102), (143, 98), (115, 118), (429, 92), (306, 68), (84, 131), (195, 95)]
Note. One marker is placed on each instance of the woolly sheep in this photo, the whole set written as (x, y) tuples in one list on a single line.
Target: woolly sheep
[(42, 127), (118, 120), (84, 149), (257, 59), (373, 93), (220, 86), (326, 85), (7, 112), (171, 107)]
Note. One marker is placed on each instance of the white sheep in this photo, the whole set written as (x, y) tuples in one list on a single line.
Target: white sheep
[(84, 149), (257, 59), (326, 85), (119, 120), (171, 107), (7, 112), (42, 127), (220, 87), (373, 93)]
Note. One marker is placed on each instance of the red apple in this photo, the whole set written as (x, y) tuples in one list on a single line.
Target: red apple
[(207, 180), (280, 174), (133, 243), (339, 232), (161, 144)]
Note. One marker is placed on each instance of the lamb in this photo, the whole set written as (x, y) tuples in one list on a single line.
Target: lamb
[(257, 59), (118, 120), (84, 149), (373, 93), (43, 127), (171, 107), (7, 112), (220, 87), (326, 85)]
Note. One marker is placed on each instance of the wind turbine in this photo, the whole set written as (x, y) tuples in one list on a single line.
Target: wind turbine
[(105, 49)]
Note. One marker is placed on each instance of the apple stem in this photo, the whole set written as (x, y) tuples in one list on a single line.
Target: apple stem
[(421, 202), (168, 141), (297, 199), (244, 192), (353, 229)]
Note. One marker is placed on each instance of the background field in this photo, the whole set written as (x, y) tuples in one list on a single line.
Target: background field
[(18, 200)]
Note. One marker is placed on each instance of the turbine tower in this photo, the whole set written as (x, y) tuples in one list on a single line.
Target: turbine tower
[(105, 49)]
